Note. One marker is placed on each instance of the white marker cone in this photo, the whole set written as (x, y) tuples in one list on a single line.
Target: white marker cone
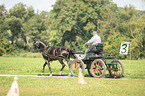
[(81, 78), (14, 90)]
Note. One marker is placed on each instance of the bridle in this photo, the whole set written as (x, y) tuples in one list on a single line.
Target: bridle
[(39, 48)]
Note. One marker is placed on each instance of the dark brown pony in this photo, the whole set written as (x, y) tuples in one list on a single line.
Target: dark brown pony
[(51, 53)]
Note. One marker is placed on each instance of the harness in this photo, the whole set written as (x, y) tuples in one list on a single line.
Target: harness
[(47, 51), (55, 51)]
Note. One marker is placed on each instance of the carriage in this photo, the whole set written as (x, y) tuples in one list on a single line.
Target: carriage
[(97, 64)]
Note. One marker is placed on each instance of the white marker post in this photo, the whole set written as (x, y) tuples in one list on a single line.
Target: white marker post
[(124, 50)]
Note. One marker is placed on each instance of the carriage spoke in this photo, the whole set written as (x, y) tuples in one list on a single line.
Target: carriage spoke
[(98, 68), (75, 67), (75, 71), (116, 70)]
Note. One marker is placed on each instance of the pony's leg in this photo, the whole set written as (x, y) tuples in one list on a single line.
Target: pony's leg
[(63, 65), (68, 62), (43, 68), (49, 69)]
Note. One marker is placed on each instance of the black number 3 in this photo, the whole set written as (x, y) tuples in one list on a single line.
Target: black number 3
[(124, 48)]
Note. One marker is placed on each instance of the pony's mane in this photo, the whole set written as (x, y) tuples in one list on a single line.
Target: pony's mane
[(43, 42), (68, 49)]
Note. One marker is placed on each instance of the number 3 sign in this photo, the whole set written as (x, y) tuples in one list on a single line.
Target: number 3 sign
[(124, 48)]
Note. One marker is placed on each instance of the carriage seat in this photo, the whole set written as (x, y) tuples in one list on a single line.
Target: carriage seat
[(97, 49)]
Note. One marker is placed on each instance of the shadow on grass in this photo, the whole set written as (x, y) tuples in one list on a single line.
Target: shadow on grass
[(53, 75), (107, 76)]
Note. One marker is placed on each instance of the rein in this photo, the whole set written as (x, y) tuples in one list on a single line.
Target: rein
[(76, 47), (41, 49)]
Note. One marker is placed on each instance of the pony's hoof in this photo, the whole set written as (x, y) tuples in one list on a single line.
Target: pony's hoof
[(60, 72), (50, 75)]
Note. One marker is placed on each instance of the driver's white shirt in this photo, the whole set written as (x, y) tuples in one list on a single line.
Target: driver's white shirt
[(95, 40)]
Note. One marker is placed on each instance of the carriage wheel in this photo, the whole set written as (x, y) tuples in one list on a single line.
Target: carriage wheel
[(98, 68), (116, 70), (75, 65)]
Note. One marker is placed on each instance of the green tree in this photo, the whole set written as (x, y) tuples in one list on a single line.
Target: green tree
[(77, 18), (3, 14), (36, 27), (15, 26), (5, 46), (136, 30), (17, 18), (21, 11)]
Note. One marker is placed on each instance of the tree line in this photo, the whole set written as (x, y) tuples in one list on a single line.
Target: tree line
[(70, 24)]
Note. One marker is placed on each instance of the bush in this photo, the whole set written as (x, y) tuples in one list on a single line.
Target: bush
[(5, 47), (113, 45)]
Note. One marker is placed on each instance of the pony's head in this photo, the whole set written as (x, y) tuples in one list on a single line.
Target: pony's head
[(40, 45)]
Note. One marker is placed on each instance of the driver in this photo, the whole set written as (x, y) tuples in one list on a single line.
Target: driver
[(92, 42)]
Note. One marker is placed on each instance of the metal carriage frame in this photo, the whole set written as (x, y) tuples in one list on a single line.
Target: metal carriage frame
[(96, 65)]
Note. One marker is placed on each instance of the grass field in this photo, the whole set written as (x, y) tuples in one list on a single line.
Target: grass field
[(131, 84)]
